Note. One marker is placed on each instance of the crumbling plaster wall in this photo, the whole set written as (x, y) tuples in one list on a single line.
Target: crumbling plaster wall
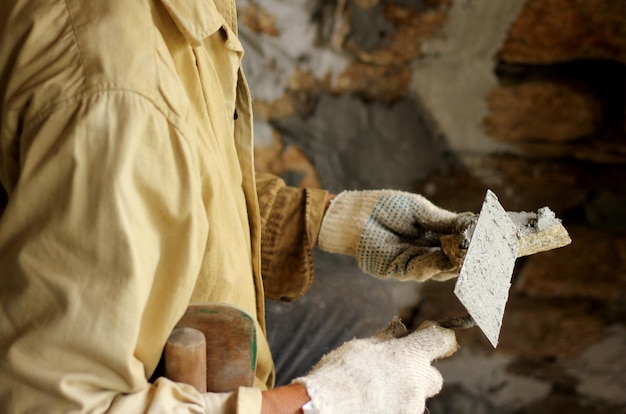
[(449, 98)]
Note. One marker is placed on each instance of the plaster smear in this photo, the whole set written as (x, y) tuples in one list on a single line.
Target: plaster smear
[(485, 376), (456, 75), (538, 232), (533, 222), (358, 145)]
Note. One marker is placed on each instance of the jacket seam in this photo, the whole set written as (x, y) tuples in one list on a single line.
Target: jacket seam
[(75, 36), (111, 89)]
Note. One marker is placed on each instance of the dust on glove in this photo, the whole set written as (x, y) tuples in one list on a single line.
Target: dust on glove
[(390, 372), (393, 233)]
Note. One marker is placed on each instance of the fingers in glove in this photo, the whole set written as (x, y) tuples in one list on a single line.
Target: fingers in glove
[(451, 244), (430, 216), (410, 215), (432, 341), (376, 375), (434, 382), (395, 329), (420, 264), (465, 221), (443, 276)]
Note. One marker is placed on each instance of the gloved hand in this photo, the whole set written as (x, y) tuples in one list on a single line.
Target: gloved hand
[(389, 373), (393, 233)]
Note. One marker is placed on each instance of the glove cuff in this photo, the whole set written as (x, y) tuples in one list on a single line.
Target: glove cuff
[(344, 220)]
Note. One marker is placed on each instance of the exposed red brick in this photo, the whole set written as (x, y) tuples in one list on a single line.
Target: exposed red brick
[(366, 4), (365, 80), (303, 81), (278, 109), (412, 24), (551, 31), (542, 111), (521, 184), (279, 159), (543, 329), (593, 266), (258, 20)]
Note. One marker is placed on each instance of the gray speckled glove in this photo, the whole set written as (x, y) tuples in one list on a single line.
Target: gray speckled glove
[(392, 233), (390, 372)]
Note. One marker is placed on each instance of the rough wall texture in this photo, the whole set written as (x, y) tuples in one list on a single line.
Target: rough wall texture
[(450, 98)]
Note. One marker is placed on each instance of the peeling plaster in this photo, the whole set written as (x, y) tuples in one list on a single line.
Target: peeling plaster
[(270, 61), (456, 75)]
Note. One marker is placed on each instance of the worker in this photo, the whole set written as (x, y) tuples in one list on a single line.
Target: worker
[(128, 192)]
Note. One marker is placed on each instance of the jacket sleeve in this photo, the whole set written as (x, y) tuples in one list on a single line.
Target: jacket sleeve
[(290, 222), (100, 245)]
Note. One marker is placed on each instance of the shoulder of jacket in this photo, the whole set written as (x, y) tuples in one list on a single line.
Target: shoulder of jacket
[(60, 50)]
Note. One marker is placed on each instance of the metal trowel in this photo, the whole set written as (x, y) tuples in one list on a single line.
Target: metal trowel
[(496, 240)]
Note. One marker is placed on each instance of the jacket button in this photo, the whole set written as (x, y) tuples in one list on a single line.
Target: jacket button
[(236, 115)]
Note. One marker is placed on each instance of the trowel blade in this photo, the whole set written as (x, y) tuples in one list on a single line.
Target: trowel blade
[(485, 277)]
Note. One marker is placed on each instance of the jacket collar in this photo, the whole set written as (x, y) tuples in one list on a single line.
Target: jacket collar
[(199, 19)]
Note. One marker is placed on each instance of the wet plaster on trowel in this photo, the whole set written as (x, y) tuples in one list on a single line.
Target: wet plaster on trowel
[(457, 72), (538, 232)]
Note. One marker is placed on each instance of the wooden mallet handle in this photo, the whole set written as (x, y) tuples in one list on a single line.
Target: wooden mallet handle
[(185, 357)]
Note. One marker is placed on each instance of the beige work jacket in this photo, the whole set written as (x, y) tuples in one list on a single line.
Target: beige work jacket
[(127, 192)]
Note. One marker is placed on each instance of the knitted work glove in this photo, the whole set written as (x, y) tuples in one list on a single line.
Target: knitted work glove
[(390, 372), (393, 233)]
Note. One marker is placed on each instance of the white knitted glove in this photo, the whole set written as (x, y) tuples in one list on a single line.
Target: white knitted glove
[(389, 373), (392, 233)]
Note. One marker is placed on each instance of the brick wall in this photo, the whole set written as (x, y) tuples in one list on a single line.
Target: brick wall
[(450, 98)]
